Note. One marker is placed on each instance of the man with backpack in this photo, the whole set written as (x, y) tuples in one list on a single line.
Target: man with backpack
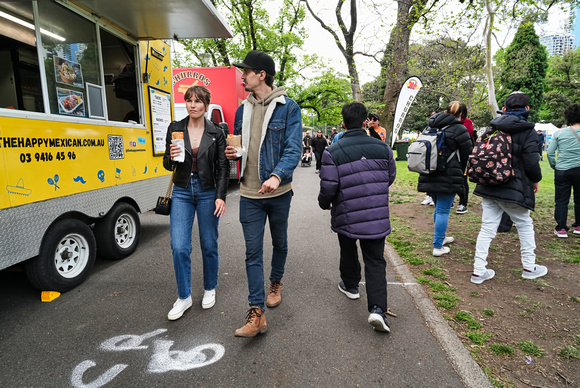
[(519, 173)]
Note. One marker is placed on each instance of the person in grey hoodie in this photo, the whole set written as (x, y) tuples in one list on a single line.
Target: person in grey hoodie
[(515, 197), (270, 124), (355, 177)]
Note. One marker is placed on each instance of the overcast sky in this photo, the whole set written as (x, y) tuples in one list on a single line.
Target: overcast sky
[(374, 25)]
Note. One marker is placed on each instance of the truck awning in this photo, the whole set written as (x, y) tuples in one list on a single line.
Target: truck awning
[(161, 19)]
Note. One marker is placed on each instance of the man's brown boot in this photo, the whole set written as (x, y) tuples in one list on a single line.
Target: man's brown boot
[(274, 297), (255, 323)]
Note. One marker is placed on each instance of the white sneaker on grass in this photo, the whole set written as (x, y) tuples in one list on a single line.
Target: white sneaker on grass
[(428, 201), (448, 240), (208, 299), (441, 252), (179, 308), (539, 271), (478, 279)]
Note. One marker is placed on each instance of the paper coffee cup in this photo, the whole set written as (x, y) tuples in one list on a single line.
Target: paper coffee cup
[(181, 143)]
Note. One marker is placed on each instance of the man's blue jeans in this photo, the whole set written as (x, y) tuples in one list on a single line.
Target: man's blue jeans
[(443, 202), (185, 203), (253, 214)]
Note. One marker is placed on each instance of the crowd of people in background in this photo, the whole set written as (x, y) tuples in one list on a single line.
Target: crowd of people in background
[(356, 169)]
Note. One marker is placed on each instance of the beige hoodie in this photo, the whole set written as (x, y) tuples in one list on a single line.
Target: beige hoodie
[(250, 184)]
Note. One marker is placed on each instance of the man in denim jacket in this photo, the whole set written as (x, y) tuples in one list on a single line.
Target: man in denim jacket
[(270, 124)]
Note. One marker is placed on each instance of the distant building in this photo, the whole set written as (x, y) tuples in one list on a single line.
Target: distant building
[(558, 44)]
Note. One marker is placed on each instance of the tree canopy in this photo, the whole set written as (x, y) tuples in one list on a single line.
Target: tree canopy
[(526, 61)]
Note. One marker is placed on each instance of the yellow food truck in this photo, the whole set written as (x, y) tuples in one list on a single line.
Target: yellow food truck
[(85, 102)]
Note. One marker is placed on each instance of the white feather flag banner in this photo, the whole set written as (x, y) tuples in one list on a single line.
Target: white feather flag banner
[(406, 96)]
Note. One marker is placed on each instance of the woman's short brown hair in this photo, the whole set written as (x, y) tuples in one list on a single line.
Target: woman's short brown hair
[(200, 92)]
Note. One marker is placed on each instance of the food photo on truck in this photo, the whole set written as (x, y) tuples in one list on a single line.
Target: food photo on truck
[(86, 97)]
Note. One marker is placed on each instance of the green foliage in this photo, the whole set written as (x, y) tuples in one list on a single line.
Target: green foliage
[(446, 299), (502, 349), (577, 339), (488, 312), (322, 100), (562, 87), (570, 352), (575, 259), (526, 61), (478, 338), (439, 286), (530, 348), (435, 272), (254, 29), (463, 316)]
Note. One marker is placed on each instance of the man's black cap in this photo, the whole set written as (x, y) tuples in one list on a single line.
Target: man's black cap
[(258, 60), (516, 100)]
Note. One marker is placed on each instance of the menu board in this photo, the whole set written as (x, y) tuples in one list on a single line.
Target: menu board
[(160, 106)]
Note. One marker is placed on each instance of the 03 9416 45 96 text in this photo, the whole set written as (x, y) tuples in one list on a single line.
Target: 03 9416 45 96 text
[(46, 156)]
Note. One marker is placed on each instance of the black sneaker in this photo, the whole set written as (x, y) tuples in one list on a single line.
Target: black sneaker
[(351, 293), (378, 321), (461, 209)]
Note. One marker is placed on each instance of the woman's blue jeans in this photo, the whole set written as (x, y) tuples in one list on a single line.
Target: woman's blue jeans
[(185, 203), (253, 215), (443, 202)]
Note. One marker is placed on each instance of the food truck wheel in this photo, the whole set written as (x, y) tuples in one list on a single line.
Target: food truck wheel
[(67, 255), (118, 232)]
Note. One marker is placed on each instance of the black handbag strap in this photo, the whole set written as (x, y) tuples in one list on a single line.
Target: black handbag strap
[(170, 186)]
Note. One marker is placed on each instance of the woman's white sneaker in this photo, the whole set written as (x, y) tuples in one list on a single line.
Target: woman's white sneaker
[(179, 308), (441, 252), (208, 299)]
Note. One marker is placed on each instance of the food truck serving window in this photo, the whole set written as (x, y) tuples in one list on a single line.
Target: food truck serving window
[(88, 71), (20, 85), (71, 58)]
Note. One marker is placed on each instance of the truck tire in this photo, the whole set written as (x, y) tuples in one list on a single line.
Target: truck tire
[(118, 232), (67, 255)]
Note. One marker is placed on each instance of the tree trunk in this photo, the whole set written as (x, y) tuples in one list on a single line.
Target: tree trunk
[(492, 101), (347, 49), (397, 51)]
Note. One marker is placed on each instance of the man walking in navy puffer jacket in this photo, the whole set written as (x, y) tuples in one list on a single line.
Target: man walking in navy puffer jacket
[(354, 184)]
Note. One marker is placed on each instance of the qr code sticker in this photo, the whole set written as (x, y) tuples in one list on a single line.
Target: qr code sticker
[(116, 147)]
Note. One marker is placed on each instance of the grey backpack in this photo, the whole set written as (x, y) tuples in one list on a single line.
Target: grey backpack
[(428, 153)]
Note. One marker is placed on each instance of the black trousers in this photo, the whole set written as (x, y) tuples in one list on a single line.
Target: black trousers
[(318, 155), (564, 182), (463, 197), (375, 268)]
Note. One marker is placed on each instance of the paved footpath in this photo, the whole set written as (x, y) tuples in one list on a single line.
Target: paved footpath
[(112, 330)]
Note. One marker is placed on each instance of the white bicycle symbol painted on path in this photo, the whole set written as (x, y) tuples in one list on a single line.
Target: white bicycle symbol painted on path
[(163, 359)]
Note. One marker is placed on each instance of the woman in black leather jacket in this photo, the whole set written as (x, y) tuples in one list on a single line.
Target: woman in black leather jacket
[(200, 186)]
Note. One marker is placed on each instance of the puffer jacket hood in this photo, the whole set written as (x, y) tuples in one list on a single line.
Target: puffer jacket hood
[(511, 124), (525, 161)]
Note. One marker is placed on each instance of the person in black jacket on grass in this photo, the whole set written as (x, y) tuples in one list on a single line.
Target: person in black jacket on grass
[(442, 186), (515, 197)]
